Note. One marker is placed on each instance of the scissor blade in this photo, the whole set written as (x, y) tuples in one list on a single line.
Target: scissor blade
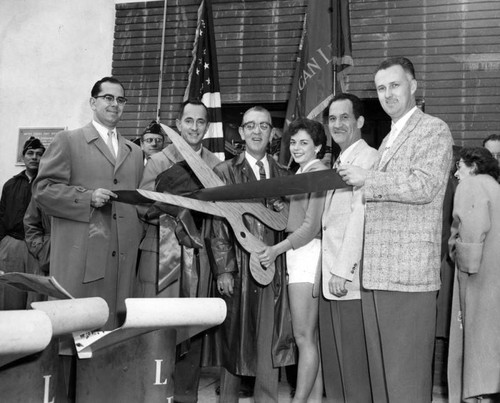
[(186, 202), (204, 173), (141, 196)]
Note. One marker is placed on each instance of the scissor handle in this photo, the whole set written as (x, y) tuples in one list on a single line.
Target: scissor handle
[(263, 275)]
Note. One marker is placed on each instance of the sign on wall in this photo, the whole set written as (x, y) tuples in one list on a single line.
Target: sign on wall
[(44, 134)]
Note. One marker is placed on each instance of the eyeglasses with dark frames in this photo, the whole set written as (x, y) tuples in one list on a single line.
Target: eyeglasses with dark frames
[(108, 98), (249, 126)]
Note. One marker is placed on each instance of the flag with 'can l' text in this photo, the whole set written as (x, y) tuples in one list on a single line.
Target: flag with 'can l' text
[(324, 56)]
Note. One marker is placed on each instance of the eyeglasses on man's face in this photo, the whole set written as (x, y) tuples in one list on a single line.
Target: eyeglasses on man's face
[(249, 126), (151, 140), (110, 99)]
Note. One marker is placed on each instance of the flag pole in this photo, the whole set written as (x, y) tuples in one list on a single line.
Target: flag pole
[(333, 33), (162, 56)]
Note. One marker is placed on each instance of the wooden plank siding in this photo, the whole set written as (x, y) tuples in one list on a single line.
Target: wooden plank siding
[(257, 45), (455, 46)]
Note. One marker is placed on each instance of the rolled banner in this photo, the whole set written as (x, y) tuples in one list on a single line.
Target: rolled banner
[(188, 316), (71, 315), (23, 333), (155, 313)]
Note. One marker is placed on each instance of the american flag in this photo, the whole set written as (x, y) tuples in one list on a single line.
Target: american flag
[(204, 78)]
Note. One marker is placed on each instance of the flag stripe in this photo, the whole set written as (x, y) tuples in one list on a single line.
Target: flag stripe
[(203, 81)]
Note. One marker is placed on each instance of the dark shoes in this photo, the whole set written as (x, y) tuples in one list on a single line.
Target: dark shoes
[(244, 393)]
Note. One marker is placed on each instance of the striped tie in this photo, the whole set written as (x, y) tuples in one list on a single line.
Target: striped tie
[(262, 171)]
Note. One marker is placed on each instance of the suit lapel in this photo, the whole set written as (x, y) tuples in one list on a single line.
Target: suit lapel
[(123, 151), (353, 156), (355, 152), (401, 138), (92, 137)]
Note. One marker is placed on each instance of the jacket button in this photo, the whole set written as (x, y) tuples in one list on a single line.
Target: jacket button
[(115, 181), (114, 216), (113, 254)]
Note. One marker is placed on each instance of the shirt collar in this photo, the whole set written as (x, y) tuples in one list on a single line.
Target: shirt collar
[(253, 164), (398, 126), (252, 160), (300, 170), (102, 130)]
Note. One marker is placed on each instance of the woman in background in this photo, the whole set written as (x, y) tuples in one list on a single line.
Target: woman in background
[(474, 357), (303, 246)]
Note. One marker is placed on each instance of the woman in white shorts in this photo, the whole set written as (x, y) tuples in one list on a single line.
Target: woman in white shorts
[(303, 247)]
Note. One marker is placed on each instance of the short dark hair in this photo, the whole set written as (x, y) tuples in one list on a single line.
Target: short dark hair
[(193, 101), (485, 162), (315, 129), (96, 89), (257, 108), (405, 63), (491, 137), (357, 104)]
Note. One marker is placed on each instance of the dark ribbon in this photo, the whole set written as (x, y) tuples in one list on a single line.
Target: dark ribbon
[(317, 181)]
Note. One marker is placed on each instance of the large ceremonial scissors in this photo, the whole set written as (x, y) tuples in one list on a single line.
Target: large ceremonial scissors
[(232, 211)]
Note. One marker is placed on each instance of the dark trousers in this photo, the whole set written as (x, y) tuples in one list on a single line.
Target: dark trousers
[(187, 373), (343, 351), (400, 329)]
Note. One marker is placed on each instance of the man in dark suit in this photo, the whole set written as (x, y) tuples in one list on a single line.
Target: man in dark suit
[(94, 241), (256, 336)]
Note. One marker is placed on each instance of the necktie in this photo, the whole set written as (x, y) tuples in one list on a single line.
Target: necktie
[(388, 144), (262, 171), (337, 163), (110, 143), (262, 176)]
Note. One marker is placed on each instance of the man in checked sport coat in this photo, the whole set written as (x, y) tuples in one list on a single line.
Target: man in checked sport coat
[(404, 197), (94, 241)]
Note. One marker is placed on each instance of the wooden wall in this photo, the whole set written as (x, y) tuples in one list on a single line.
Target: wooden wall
[(257, 45), (136, 59), (455, 46)]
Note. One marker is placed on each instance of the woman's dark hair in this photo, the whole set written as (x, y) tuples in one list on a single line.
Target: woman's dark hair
[(485, 163), (313, 128)]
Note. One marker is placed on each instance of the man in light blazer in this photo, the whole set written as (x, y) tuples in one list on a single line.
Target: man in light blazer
[(404, 199), (342, 336), (94, 241)]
